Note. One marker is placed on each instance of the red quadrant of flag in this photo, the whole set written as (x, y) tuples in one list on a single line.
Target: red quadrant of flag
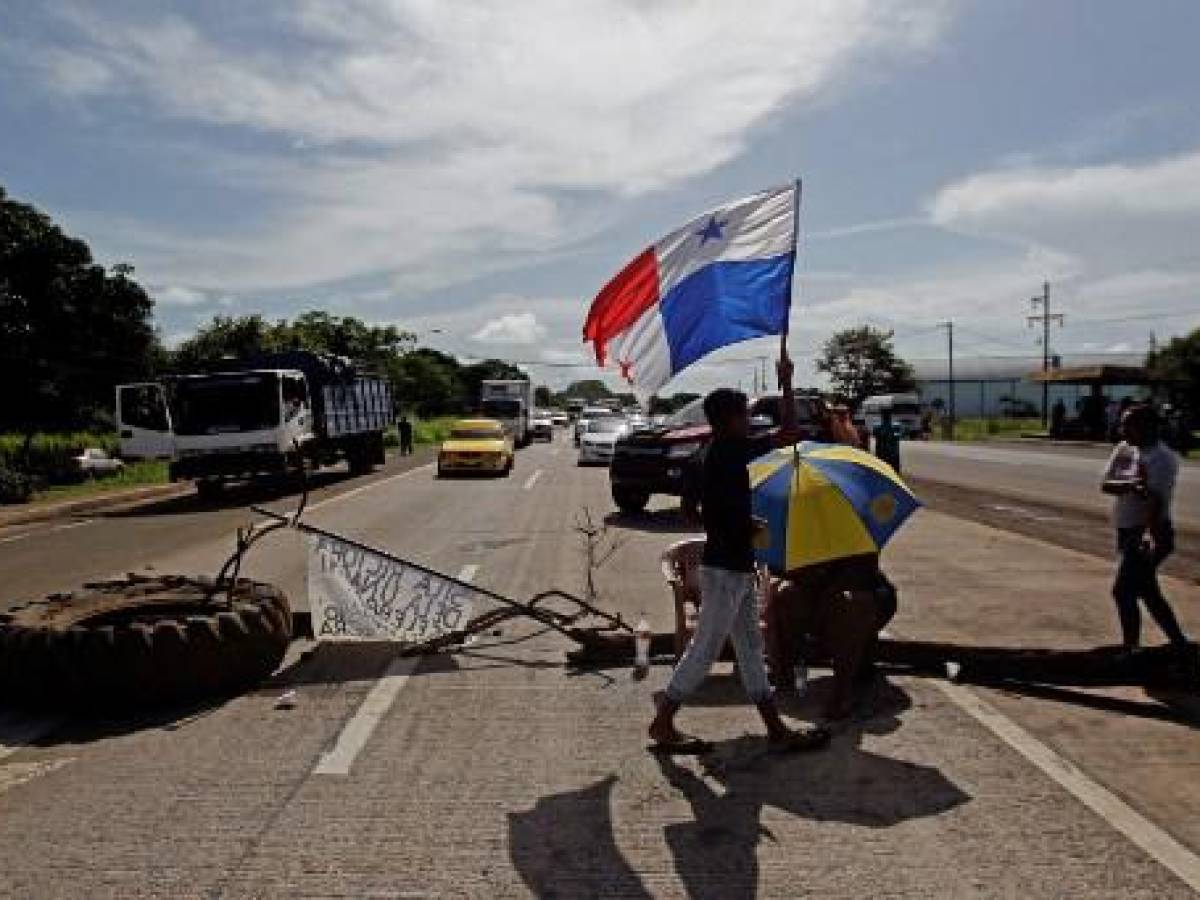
[(622, 301)]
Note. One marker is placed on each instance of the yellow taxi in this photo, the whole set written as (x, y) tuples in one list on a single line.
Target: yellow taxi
[(476, 445)]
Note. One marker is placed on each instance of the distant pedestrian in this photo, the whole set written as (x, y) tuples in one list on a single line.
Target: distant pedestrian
[(406, 436), (1141, 474), (1058, 418), (728, 592), (887, 440)]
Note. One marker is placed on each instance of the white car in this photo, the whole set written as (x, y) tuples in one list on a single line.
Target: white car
[(589, 414), (599, 440), (94, 461), (560, 419), (541, 426)]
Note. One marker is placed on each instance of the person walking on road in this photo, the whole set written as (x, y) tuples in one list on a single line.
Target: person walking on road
[(728, 597), (1141, 476), (887, 441), (406, 436)]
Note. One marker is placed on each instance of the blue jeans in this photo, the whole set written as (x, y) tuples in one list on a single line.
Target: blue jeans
[(1137, 578), (728, 609)]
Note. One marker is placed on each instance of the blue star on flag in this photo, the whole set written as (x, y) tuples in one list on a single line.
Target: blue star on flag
[(711, 230)]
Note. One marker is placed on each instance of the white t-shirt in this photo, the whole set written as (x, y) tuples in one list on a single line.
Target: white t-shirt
[(1158, 465)]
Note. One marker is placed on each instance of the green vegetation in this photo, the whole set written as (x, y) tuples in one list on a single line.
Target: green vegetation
[(982, 429), (425, 431), (861, 362), (135, 474), (47, 458), (432, 431)]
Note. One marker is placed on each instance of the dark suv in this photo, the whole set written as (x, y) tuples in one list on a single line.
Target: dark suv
[(664, 460)]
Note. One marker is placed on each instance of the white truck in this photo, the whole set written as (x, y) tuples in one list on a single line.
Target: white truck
[(260, 417), (510, 402)]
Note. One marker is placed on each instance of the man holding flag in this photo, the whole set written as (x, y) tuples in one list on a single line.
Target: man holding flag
[(725, 277)]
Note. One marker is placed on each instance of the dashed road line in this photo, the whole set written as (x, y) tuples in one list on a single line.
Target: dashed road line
[(375, 706), (17, 537), (533, 479)]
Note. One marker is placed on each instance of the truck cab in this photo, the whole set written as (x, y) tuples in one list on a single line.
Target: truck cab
[(305, 409)]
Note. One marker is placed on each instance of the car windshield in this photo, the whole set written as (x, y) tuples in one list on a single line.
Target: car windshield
[(502, 409), (225, 404), (606, 426), (688, 416), (477, 433)]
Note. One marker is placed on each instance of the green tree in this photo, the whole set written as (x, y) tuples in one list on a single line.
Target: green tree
[(591, 390), (226, 337), (543, 396), (1178, 362), (69, 329), (861, 362), (428, 382)]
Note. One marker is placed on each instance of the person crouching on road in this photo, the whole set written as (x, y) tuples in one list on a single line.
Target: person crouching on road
[(728, 597), (1141, 475)]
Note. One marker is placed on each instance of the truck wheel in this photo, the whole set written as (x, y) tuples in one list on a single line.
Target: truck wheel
[(209, 488), (630, 500), (137, 642)]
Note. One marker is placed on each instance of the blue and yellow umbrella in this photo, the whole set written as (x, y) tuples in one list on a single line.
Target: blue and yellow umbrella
[(824, 502)]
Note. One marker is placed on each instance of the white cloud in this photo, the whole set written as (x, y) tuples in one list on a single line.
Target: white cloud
[(424, 139), (178, 295), (1167, 187), (515, 328)]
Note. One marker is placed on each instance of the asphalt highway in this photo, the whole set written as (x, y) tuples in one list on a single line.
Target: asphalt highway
[(1066, 476), (495, 772)]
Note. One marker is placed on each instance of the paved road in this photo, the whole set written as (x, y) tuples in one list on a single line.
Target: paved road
[(1065, 476), (493, 772)]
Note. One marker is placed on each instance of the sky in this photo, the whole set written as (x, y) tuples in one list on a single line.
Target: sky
[(475, 172)]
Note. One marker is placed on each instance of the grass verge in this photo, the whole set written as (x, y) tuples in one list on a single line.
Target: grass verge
[(135, 474)]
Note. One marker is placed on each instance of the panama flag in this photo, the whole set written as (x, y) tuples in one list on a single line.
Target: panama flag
[(724, 277)]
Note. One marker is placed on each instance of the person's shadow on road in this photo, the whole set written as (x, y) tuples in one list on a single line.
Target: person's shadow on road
[(565, 846), (716, 854)]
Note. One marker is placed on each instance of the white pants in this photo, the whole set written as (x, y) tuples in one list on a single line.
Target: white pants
[(728, 609)]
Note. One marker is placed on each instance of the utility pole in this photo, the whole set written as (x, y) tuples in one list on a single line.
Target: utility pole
[(951, 418), (1044, 318)]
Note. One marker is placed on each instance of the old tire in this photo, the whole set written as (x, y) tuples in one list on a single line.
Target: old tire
[(141, 642)]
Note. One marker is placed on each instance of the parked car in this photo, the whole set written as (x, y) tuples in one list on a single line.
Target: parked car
[(664, 460), (476, 445), (599, 439), (541, 426), (94, 461)]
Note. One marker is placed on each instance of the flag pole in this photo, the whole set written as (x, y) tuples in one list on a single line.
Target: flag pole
[(795, 259)]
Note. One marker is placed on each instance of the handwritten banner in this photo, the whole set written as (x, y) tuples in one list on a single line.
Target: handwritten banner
[(357, 593)]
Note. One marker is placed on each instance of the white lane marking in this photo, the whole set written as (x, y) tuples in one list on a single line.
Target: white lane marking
[(69, 525), (533, 479), (354, 492), (19, 731), (17, 537), (1152, 839), (356, 732)]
